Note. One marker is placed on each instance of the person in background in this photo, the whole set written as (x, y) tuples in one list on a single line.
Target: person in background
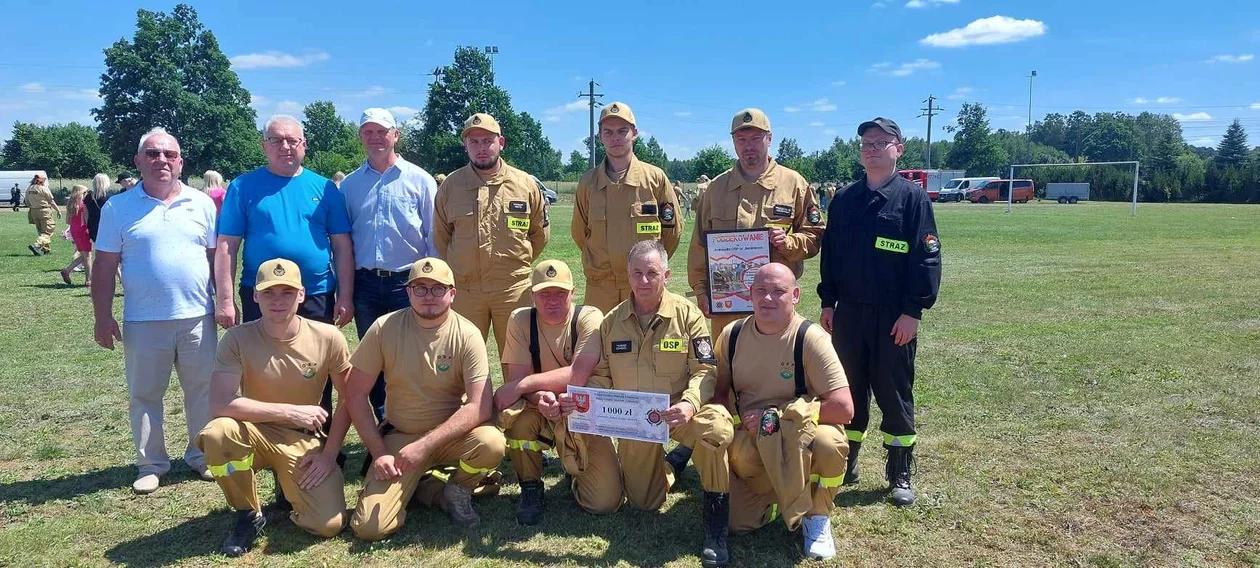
[(337, 177), (42, 207), (126, 180), (93, 202), (215, 188), (76, 214), (15, 196)]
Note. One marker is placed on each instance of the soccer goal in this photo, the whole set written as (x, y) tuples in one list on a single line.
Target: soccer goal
[(1136, 170)]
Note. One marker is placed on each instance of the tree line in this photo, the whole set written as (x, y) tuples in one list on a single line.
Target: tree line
[(172, 73)]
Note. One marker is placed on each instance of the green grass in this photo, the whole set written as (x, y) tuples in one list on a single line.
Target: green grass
[(1087, 397)]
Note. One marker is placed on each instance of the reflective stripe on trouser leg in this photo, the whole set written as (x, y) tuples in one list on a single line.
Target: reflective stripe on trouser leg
[(526, 439), (899, 441), (230, 459), (854, 435), (478, 453), (827, 465)]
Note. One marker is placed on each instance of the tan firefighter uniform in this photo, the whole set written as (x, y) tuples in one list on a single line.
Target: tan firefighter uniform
[(427, 373), (271, 370), (612, 215), (669, 352), (528, 433), (779, 198), (489, 231), (797, 471), (42, 209)]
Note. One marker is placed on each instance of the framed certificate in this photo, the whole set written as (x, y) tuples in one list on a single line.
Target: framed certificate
[(619, 414), (734, 257)]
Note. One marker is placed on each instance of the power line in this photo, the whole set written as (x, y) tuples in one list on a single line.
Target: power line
[(591, 95)]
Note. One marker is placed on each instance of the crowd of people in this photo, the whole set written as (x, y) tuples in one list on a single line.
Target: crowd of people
[(771, 408)]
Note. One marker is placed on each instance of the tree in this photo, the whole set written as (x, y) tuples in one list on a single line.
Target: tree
[(72, 150), (173, 74), (789, 151), (463, 88), (1232, 151), (575, 168), (651, 152), (975, 149), (325, 130), (712, 161), (682, 170)]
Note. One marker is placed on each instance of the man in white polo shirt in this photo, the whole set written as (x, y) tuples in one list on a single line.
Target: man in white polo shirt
[(390, 203), (163, 234)]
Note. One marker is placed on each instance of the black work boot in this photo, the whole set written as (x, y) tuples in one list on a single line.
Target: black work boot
[(851, 473), (717, 516), (249, 524), (900, 460), (677, 458), (529, 510)]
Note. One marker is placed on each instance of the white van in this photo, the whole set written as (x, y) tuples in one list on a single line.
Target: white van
[(21, 179), (956, 189)]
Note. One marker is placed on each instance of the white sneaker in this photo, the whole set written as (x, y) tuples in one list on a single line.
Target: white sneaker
[(145, 484), (819, 544)]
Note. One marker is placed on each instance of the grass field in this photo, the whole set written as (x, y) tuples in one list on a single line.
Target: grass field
[(1087, 390)]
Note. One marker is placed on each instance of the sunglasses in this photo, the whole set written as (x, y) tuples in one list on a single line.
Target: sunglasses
[(153, 154)]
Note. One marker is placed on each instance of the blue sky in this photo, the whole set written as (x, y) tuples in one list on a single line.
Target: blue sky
[(817, 68)]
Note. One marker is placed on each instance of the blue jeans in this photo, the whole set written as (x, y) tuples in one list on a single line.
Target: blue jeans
[(375, 296)]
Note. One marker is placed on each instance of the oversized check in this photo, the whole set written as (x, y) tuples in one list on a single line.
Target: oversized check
[(619, 414)]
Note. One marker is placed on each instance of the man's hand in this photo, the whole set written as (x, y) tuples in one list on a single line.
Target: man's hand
[(825, 319), (343, 310), (383, 469), (318, 465), (106, 332), (548, 405), (565, 400), (306, 416), (750, 421), (225, 314), (778, 238), (411, 456), (678, 414), (703, 301), (506, 396), (904, 330)]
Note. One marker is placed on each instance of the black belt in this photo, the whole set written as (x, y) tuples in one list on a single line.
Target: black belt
[(381, 273)]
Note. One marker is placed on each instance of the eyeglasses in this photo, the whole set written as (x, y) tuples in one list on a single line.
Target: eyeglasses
[(879, 146), (153, 153), (280, 142), (420, 290)]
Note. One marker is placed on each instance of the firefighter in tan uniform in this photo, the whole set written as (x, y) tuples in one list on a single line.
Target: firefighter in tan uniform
[(490, 223), (757, 193), (620, 202), (438, 404), (657, 341), (791, 399), (41, 208), (550, 346), (279, 364)]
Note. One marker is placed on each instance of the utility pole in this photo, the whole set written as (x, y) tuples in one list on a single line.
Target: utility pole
[(1028, 129), (929, 112), (591, 95)]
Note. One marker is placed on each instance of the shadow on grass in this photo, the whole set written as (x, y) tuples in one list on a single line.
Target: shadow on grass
[(39, 491), (860, 498), (195, 537)]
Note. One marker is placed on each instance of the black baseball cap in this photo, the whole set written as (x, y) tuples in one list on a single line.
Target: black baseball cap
[(124, 175), (885, 124)]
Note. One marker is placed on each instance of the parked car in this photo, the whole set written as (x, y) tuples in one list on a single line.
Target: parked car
[(549, 194), (999, 189), (957, 188)]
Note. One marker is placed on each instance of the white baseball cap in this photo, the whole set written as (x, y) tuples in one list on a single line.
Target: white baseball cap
[(379, 116)]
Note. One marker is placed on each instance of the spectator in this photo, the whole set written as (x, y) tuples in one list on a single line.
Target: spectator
[(337, 178), (41, 208), (215, 188), (93, 202), (77, 218)]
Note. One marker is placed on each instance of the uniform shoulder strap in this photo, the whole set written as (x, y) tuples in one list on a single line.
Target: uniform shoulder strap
[(730, 349), (534, 350), (798, 357), (573, 330)]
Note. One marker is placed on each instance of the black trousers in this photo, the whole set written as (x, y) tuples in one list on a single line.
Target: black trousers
[(318, 307), (874, 364)]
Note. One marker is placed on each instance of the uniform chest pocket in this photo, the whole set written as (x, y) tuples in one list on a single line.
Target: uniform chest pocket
[(778, 216), (671, 355), (464, 217), (888, 235), (645, 218), (516, 214), (597, 208)]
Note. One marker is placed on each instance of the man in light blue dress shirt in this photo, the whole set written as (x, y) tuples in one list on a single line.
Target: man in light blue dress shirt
[(390, 203)]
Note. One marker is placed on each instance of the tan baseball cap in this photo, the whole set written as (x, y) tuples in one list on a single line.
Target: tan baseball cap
[(551, 274), (277, 272), (750, 117), (434, 269), (483, 121), (620, 110)]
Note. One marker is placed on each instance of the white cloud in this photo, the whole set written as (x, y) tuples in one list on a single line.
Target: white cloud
[(838, 83), (1159, 100), (90, 95), (402, 110), (791, 109), (905, 69), (926, 3), (551, 119), (1205, 141), (567, 108), (987, 31), (1243, 58), (258, 101), (822, 105), (274, 59), (683, 113), (879, 5), (292, 108), (817, 124), (32, 88), (960, 93), (1192, 117), (373, 91), (1255, 106)]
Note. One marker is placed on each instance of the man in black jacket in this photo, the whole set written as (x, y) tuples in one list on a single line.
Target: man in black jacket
[(881, 267)]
